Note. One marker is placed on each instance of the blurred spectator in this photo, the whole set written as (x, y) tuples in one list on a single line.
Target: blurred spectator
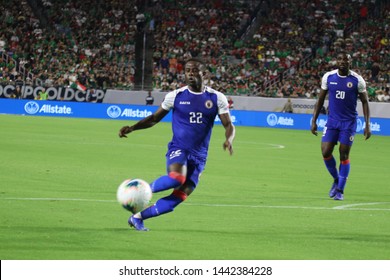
[(149, 99), (17, 93), (288, 107), (43, 95), (140, 17), (91, 96)]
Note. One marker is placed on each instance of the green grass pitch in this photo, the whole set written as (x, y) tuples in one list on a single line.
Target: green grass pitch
[(269, 201)]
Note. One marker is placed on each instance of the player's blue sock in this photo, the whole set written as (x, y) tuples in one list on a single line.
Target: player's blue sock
[(172, 180), (330, 163), (345, 166), (164, 205)]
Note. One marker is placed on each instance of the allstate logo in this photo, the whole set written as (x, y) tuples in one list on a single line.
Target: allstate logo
[(31, 107), (359, 125), (272, 120), (114, 112)]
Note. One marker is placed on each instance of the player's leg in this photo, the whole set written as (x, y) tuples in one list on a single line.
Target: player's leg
[(329, 160), (329, 140), (162, 206), (330, 163), (176, 171), (174, 179), (344, 167), (346, 138), (168, 204)]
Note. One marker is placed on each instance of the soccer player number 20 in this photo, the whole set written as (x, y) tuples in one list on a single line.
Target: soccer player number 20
[(340, 94)]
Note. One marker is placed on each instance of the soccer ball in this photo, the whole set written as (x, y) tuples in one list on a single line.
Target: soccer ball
[(134, 195)]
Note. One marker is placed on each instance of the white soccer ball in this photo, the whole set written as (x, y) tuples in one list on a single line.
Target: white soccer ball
[(134, 195)]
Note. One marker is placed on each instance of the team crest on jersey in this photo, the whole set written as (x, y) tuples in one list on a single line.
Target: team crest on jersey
[(349, 84), (209, 104)]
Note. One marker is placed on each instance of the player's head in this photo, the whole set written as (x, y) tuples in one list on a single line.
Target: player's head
[(344, 62), (195, 72)]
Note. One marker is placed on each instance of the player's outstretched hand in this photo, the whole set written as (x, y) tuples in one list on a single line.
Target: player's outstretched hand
[(124, 130), (228, 145)]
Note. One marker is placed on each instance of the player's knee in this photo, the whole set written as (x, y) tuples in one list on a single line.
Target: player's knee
[(180, 195), (328, 158), (178, 177), (344, 155), (327, 153)]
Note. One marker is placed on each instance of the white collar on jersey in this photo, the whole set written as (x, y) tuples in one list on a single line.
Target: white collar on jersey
[(195, 92), (349, 72)]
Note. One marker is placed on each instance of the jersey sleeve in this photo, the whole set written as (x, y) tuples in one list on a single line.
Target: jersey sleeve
[(223, 105), (169, 100), (324, 81), (361, 85)]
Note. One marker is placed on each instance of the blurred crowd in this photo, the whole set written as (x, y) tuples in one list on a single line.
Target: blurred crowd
[(92, 42), (286, 56)]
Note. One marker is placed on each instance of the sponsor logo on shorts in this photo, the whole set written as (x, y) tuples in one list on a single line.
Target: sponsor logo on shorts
[(174, 154)]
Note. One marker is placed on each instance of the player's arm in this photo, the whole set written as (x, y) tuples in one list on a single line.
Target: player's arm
[(366, 112), (144, 123), (317, 109), (230, 131)]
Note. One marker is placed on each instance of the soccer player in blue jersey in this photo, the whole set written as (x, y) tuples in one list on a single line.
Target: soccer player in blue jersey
[(343, 87), (194, 108)]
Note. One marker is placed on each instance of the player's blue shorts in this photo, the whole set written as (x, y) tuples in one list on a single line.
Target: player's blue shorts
[(339, 131), (195, 164)]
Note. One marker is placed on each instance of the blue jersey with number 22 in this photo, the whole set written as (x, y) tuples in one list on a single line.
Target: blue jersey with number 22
[(193, 116)]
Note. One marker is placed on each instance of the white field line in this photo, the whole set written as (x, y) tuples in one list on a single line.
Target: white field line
[(341, 207), (344, 207), (272, 146)]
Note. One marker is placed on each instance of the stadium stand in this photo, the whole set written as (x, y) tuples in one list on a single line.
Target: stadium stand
[(264, 48)]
